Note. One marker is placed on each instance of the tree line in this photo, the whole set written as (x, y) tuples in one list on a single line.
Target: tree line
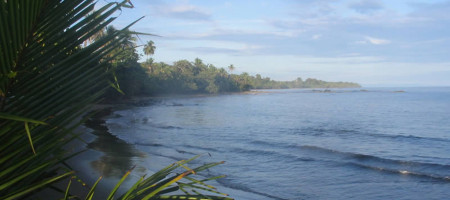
[(191, 77), (184, 76)]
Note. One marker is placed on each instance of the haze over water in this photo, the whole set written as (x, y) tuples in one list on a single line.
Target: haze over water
[(304, 144)]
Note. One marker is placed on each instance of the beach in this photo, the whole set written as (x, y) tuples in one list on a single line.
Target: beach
[(107, 156), (104, 155)]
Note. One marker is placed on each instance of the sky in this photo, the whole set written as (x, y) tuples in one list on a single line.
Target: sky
[(371, 42)]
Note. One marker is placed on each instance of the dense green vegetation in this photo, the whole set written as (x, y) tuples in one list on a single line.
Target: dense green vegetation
[(187, 77), (57, 59), (197, 77), (194, 77)]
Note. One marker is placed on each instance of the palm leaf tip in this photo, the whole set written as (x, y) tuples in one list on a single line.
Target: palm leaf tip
[(27, 129)]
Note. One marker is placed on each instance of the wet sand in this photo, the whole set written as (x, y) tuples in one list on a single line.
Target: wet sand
[(104, 155)]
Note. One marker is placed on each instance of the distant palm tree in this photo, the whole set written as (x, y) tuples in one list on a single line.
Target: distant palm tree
[(99, 34), (231, 68), (198, 62), (125, 51), (149, 49)]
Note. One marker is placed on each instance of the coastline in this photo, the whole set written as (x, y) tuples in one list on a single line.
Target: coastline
[(104, 155), (146, 100), (109, 157), (84, 177)]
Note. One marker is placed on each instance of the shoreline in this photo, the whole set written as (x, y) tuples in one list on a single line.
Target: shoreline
[(110, 157), (99, 158), (147, 100), (101, 147), (105, 155)]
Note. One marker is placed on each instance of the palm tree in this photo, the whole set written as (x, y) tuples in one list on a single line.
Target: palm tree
[(47, 81), (198, 62), (149, 49), (231, 68), (125, 53), (97, 35)]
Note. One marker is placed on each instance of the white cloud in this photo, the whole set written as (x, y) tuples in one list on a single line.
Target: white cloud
[(316, 36), (230, 49), (377, 41), (222, 34), (187, 12), (366, 6)]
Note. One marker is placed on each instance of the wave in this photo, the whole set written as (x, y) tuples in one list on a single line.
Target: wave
[(404, 172), (154, 125), (364, 157), (208, 150), (268, 143), (402, 167), (411, 137), (311, 153), (335, 154), (370, 157), (272, 154), (175, 104), (314, 131), (148, 144), (166, 127)]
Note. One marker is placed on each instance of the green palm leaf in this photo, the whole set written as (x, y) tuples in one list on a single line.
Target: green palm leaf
[(48, 79)]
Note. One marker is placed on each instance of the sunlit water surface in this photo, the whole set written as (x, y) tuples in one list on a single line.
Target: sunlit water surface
[(304, 144)]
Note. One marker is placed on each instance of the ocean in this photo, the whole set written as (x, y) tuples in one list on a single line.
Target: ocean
[(369, 143)]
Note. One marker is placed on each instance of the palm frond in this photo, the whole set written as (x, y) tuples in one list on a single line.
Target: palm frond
[(158, 185), (47, 79)]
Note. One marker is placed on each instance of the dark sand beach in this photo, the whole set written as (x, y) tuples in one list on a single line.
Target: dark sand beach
[(109, 157), (104, 155)]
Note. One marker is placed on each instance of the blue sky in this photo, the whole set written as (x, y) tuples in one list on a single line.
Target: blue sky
[(372, 42)]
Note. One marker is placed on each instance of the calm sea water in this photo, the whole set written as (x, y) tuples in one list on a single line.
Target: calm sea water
[(304, 144)]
